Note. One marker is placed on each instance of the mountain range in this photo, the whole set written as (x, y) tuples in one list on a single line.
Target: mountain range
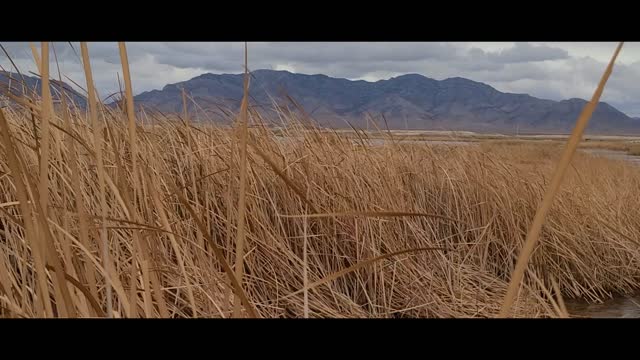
[(18, 84), (409, 101), (405, 102)]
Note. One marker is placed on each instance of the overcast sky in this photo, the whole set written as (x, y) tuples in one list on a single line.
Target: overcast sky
[(546, 70)]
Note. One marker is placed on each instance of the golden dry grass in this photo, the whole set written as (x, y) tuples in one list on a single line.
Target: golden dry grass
[(634, 150), (460, 213)]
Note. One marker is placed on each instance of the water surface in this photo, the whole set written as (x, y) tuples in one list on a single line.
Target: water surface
[(613, 154), (618, 307)]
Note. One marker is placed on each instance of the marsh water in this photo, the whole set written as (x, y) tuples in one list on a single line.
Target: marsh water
[(613, 154), (618, 307)]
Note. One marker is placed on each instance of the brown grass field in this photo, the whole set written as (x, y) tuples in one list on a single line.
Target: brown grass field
[(147, 218), (627, 144)]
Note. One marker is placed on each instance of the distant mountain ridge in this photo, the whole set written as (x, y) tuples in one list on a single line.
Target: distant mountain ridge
[(409, 101), (13, 82)]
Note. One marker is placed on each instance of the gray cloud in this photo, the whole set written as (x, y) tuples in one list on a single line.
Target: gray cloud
[(554, 71), (524, 52)]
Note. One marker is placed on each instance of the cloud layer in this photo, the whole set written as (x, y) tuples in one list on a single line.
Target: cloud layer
[(546, 70)]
